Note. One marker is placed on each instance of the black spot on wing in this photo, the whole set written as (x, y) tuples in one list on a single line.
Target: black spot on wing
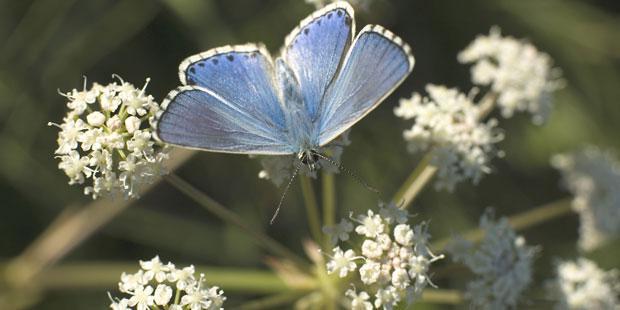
[(215, 61), (192, 70), (202, 64), (306, 31), (230, 57)]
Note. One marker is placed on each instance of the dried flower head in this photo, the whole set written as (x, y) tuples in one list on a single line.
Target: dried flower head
[(582, 285), (502, 263), (393, 258), (447, 122), (593, 176), (157, 285), (521, 76), (279, 169), (106, 141)]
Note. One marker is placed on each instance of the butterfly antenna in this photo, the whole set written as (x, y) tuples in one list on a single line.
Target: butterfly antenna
[(349, 172), (290, 181)]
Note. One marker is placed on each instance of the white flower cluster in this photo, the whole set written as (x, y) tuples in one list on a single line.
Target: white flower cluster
[(582, 285), (106, 136), (448, 122), (502, 263), (279, 169), (593, 176), (162, 285), (394, 258), (521, 76)]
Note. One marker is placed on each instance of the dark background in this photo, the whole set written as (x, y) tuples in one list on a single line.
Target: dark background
[(47, 45)]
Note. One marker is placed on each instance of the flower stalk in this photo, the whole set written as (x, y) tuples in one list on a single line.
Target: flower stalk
[(232, 218), (312, 207)]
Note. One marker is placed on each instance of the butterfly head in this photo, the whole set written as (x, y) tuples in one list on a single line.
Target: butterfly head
[(310, 158)]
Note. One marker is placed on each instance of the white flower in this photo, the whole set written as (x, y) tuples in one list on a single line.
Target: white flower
[(94, 146), (403, 234), (371, 225), (521, 75), (163, 294), (581, 285), (339, 231), (279, 169), (132, 124), (196, 299), (447, 122), (122, 304), (400, 278), (183, 277), (168, 282), (502, 263), (154, 268), (371, 249), (391, 213), (342, 262), (386, 297), (359, 301), (369, 272), (392, 270), (95, 119), (593, 177), (129, 282), (217, 298), (142, 298)]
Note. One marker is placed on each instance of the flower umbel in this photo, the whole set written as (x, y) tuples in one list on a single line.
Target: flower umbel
[(106, 141), (593, 176), (582, 285), (394, 260), (502, 263), (447, 122), (521, 76), (158, 284)]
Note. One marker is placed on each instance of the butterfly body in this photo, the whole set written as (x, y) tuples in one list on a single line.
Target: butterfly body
[(237, 99)]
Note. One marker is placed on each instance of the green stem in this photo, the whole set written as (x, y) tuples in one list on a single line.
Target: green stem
[(519, 221), (329, 204), (438, 296), (230, 217), (312, 208), (272, 301), (416, 181)]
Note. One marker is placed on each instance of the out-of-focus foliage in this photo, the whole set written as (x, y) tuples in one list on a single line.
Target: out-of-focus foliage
[(47, 45)]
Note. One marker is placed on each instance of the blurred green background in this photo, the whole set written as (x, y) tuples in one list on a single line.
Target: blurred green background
[(50, 44)]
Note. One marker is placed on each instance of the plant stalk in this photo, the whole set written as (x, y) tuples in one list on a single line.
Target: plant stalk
[(329, 204), (518, 221), (232, 218), (312, 208)]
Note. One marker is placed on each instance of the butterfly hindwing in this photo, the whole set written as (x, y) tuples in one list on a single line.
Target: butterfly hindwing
[(242, 75), (198, 118), (376, 64), (315, 49)]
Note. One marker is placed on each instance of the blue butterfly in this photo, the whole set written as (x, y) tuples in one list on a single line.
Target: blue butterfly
[(236, 100)]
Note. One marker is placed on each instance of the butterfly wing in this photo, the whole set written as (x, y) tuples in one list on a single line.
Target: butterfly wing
[(375, 65), (242, 75), (315, 49), (196, 117), (229, 104)]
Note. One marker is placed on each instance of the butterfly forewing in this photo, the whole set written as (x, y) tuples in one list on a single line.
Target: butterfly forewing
[(315, 49), (195, 117), (376, 64)]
